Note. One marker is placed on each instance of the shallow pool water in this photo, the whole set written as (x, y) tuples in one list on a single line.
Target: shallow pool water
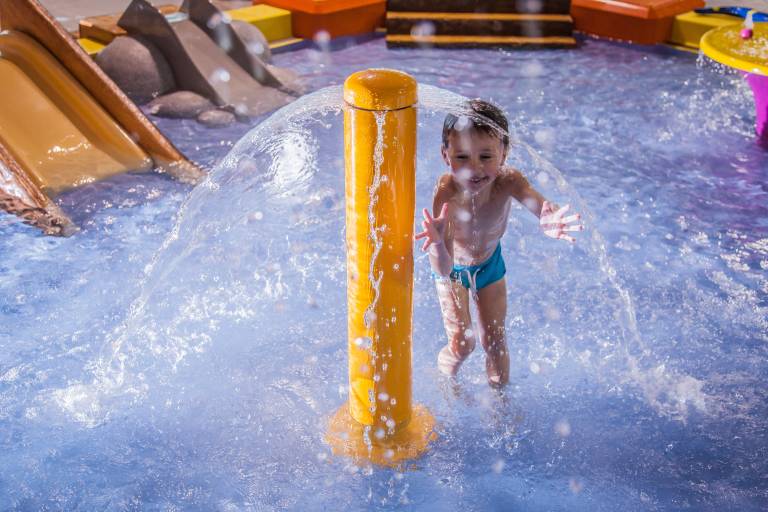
[(185, 349)]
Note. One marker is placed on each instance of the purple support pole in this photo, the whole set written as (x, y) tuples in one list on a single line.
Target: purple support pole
[(759, 84)]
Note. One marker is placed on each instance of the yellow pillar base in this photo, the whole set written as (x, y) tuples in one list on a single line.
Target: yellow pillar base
[(347, 437)]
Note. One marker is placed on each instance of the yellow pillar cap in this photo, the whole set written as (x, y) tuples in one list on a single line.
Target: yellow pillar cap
[(380, 89)]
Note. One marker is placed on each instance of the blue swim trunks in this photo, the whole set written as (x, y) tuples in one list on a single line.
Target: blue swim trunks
[(477, 277)]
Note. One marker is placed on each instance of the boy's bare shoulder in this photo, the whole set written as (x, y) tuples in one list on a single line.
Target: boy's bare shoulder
[(446, 188), (512, 181)]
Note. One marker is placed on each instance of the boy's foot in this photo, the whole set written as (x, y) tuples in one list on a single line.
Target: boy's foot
[(447, 362), (495, 382)]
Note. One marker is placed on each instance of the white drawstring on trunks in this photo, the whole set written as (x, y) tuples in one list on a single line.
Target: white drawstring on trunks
[(472, 278)]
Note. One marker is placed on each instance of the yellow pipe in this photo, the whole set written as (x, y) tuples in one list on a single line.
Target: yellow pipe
[(380, 422)]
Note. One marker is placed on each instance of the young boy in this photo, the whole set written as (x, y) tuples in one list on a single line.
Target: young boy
[(471, 207)]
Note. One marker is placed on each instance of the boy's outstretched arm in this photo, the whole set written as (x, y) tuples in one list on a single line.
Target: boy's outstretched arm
[(520, 189), (552, 219), (437, 235)]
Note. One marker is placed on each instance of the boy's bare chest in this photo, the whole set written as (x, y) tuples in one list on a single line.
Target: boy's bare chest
[(477, 228)]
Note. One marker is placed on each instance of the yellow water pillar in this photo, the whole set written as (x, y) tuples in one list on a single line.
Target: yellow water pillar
[(380, 423)]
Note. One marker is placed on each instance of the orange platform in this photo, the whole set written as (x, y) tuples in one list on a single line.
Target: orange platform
[(337, 17), (638, 21)]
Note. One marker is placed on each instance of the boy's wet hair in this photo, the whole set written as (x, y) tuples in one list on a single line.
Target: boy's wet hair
[(484, 117)]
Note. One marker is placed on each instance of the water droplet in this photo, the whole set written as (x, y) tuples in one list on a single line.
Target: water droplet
[(246, 166), (532, 69), (383, 397), (241, 109), (498, 466), (464, 174), (531, 204), (575, 486), (220, 75), (363, 343), (551, 313), (323, 41), (255, 48), (534, 367), (563, 428), (531, 6), (463, 215), (223, 37), (214, 21), (545, 137), (423, 29), (462, 123)]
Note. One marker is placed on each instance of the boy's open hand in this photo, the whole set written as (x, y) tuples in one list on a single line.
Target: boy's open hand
[(555, 225), (434, 228)]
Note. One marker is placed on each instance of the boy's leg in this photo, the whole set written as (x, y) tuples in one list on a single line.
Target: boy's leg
[(454, 304), (492, 313)]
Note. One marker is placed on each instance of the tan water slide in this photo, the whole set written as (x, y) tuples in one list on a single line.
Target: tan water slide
[(63, 123), (52, 126)]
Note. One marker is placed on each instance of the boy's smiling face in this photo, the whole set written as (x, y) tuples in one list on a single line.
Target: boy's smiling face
[(475, 158)]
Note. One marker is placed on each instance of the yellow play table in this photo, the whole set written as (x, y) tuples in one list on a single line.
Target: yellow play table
[(727, 46)]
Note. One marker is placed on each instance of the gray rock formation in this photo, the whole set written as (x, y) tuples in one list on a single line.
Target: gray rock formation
[(137, 67), (180, 105), (216, 118)]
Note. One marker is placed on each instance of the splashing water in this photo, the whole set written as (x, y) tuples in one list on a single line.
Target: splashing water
[(376, 231), (194, 286)]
